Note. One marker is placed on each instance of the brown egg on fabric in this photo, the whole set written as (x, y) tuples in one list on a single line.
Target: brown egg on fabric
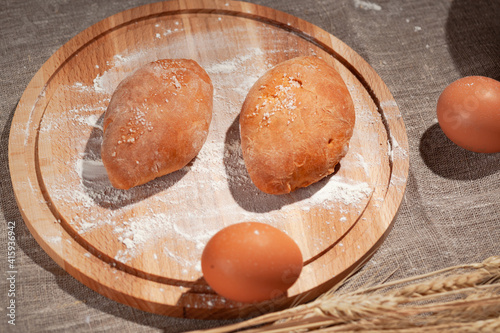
[(468, 112), (251, 262)]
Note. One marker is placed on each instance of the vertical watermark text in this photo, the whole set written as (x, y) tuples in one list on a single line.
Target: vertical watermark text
[(11, 272)]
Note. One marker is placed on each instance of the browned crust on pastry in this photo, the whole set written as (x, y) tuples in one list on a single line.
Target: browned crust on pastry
[(295, 123), (156, 122)]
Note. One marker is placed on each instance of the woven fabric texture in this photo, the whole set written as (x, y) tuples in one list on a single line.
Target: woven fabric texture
[(451, 210)]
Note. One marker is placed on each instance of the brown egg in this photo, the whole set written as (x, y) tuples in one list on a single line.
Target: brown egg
[(251, 262), (468, 112)]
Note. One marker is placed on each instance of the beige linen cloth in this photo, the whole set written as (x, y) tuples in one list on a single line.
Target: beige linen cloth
[(451, 211)]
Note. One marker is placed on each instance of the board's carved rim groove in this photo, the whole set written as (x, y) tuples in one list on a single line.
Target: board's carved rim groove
[(254, 14), (123, 266)]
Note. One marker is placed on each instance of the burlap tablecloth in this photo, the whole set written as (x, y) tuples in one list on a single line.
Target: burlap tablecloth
[(451, 211)]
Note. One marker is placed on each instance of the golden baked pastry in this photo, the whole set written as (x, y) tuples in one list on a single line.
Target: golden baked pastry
[(156, 122), (295, 125)]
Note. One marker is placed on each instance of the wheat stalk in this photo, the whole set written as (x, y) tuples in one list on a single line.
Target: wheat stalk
[(488, 325), (463, 298)]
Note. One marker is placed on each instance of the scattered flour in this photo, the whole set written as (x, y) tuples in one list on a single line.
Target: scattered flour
[(366, 5), (395, 150), (54, 239), (233, 65), (188, 207), (388, 104)]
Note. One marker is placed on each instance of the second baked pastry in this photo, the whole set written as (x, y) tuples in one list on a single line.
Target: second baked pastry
[(295, 125)]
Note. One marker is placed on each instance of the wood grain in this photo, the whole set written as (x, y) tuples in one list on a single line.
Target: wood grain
[(142, 247)]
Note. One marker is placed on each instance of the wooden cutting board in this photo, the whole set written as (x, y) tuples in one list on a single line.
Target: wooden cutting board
[(142, 247)]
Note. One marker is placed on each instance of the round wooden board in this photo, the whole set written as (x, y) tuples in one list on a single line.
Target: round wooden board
[(142, 247)]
